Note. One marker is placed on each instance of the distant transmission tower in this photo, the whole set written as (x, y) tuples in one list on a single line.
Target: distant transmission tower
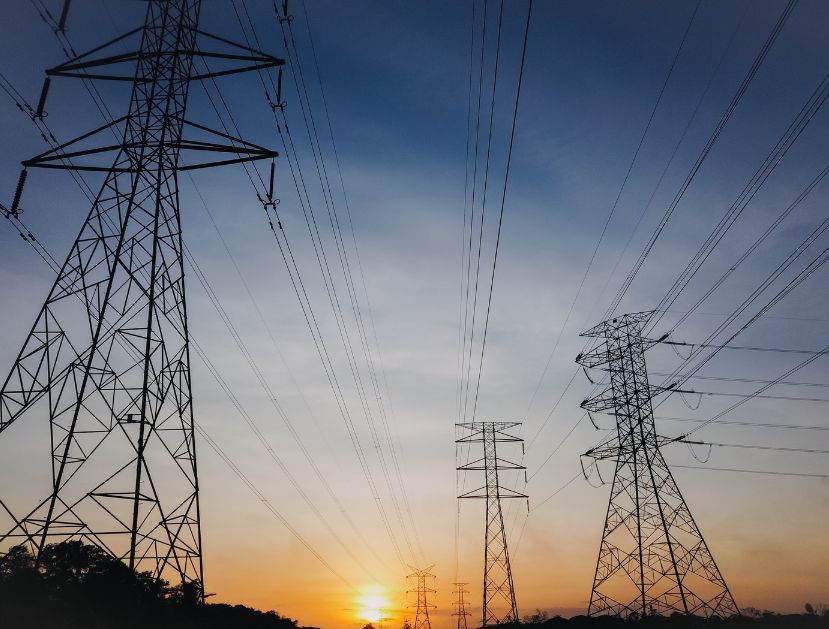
[(422, 606), (107, 360), (653, 558), (460, 605), (499, 592)]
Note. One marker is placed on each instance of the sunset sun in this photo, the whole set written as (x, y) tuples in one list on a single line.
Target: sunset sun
[(372, 604)]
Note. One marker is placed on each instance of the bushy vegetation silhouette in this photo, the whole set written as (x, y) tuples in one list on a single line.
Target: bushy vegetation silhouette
[(76, 585), (816, 617)]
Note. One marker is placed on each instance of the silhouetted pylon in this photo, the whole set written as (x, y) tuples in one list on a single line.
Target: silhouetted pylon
[(422, 590), (460, 605), (499, 604), (107, 361), (653, 558)]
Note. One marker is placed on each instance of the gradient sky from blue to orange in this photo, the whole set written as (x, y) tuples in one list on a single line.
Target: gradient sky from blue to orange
[(396, 77)]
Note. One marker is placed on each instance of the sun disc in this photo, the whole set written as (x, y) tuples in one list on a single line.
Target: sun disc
[(372, 604)]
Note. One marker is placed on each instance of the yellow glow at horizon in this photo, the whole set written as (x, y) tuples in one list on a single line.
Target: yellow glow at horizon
[(372, 603)]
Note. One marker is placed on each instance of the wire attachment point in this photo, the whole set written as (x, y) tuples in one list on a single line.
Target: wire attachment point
[(270, 201), (15, 210), (41, 103)]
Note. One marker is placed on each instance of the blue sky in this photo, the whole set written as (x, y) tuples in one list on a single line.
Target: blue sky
[(395, 76)]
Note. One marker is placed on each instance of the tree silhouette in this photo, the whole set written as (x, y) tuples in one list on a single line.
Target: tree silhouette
[(76, 585)]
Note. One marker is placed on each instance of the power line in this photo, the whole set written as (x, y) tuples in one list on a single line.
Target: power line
[(749, 471), (815, 264), (461, 321), (744, 446), (557, 491), (369, 358), (549, 360), (313, 137), (676, 148), (461, 360), (778, 350), (503, 197), (747, 380), (558, 445), (755, 183), (483, 209), (269, 506), (299, 286), (774, 225), (791, 398), (296, 278), (474, 187), (613, 207), (727, 114), (760, 390), (768, 316), (273, 399), (750, 424)]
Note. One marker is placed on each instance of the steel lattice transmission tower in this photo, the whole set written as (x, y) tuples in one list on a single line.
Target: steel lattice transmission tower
[(107, 360), (653, 558), (422, 590), (460, 605), (499, 592)]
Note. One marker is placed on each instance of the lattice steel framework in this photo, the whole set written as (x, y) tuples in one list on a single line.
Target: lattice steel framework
[(653, 558), (422, 591), (108, 359), (499, 604), (460, 605)]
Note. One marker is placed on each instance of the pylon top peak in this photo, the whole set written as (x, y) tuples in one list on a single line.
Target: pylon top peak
[(621, 321)]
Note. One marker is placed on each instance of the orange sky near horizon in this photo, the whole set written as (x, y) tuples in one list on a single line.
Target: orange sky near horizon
[(772, 557)]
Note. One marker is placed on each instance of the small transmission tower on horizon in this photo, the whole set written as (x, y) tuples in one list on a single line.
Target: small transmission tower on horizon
[(499, 604), (653, 558), (107, 361), (422, 590), (460, 605)]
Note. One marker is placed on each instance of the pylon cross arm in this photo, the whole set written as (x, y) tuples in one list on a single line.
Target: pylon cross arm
[(89, 66)]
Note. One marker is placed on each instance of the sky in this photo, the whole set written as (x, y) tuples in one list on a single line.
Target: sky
[(396, 81)]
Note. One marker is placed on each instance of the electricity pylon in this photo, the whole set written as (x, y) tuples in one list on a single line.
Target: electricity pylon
[(653, 558), (499, 592), (460, 605), (422, 590), (107, 360)]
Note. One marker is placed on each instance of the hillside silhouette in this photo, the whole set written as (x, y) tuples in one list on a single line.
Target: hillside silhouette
[(76, 585)]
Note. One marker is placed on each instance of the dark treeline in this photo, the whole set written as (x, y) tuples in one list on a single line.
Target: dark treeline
[(78, 586), (750, 619)]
